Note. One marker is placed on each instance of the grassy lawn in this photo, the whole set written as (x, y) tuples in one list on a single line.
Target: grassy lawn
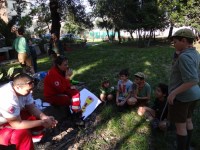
[(123, 130)]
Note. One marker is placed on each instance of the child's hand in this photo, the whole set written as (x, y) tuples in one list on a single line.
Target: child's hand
[(69, 73), (73, 87), (121, 103)]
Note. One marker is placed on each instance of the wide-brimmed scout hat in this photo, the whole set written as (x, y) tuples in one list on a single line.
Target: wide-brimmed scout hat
[(140, 75), (104, 79), (185, 32)]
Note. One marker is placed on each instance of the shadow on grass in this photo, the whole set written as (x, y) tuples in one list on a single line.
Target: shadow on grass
[(132, 131), (92, 63)]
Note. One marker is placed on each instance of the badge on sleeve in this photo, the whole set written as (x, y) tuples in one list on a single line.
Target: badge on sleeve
[(56, 83), (11, 109)]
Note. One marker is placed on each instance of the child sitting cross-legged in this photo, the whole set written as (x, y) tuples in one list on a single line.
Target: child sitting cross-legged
[(158, 113), (124, 88), (106, 90), (141, 91)]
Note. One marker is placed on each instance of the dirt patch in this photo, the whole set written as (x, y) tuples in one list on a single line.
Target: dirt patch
[(67, 135)]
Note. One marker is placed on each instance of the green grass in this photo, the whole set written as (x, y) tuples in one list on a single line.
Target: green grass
[(123, 130)]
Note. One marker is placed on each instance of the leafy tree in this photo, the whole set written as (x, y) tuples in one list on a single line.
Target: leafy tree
[(131, 15), (191, 14), (5, 30), (42, 12), (61, 8), (58, 10), (182, 12)]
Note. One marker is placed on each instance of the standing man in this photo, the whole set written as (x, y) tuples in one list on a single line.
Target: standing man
[(55, 47), (184, 91), (21, 46), (17, 111)]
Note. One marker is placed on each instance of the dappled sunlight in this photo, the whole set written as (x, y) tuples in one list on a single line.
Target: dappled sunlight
[(129, 127), (83, 69), (197, 45), (147, 63), (95, 44), (44, 60)]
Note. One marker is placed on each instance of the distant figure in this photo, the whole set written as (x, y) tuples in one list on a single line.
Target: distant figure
[(124, 88), (33, 55), (106, 90), (141, 92), (158, 112), (19, 117), (184, 91), (55, 47), (24, 56)]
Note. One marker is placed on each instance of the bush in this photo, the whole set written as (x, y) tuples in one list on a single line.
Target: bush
[(68, 40), (6, 75)]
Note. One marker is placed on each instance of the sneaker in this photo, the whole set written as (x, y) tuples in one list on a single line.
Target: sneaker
[(80, 122), (37, 137), (8, 147), (41, 146)]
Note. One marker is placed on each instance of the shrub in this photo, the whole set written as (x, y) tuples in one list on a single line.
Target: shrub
[(6, 75)]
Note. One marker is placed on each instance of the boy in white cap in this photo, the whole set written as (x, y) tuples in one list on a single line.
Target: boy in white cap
[(184, 91)]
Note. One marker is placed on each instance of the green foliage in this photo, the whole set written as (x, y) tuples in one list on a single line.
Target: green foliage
[(5, 31), (42, 11), (182, 13), (25, 21), (6, 75), (68, 40), (131, 16), (192, 14), (71, 27)]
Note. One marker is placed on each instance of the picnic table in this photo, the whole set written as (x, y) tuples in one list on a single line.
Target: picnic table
[(6, 50)]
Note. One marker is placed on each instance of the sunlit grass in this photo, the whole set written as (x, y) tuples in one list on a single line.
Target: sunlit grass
[(85, 68), (122, 130)]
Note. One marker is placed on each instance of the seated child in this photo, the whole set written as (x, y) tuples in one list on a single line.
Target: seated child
[(141, 91), (158, 113), (106, 91), (124, 88)]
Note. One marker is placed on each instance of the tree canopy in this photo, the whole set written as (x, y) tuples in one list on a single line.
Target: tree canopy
[(140, 16)]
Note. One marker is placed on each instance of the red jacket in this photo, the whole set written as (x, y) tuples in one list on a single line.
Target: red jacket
[(55, 83)]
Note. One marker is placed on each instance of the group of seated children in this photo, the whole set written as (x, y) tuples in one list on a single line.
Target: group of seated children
[(138, 93)]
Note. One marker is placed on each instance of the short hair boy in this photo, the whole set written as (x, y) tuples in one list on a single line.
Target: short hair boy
[(184, 91), (141, 90), (124, 88)]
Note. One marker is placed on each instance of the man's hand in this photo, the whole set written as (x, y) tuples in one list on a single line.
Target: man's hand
[(171, 98), (49, 122)]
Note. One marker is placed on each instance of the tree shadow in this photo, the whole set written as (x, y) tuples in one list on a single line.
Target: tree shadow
[(91, 64)]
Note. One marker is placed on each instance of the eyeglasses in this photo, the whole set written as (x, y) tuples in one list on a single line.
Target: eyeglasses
[(30, 82)]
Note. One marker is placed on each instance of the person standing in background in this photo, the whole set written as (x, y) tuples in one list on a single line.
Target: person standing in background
[(55, 47), (21, 46)]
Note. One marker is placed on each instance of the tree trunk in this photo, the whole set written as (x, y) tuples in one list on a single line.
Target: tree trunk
[(55, 16), (107, 31), (170, 30), (131, 34), (119, 36)]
